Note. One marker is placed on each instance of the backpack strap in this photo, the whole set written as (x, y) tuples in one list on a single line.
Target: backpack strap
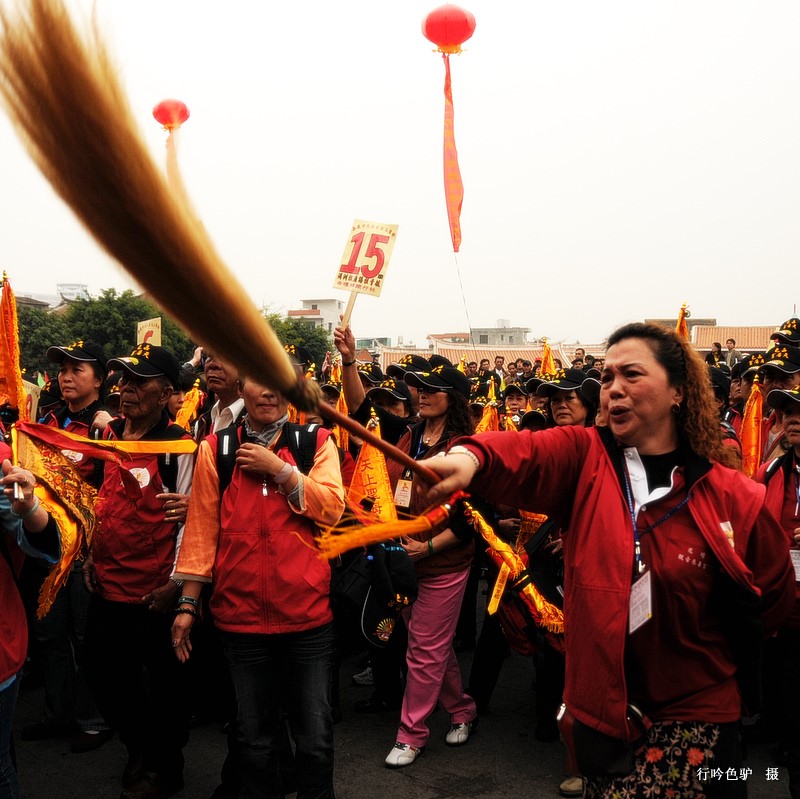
[(168, 461), (301, 440), (227, 444)]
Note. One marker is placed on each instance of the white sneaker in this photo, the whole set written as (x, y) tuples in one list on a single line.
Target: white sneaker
[(364, 678), (459, 733), (402, 755), (572, 786)]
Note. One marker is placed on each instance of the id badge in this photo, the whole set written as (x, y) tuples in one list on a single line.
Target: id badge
[(402, 493), (641, 607), (795, 553)]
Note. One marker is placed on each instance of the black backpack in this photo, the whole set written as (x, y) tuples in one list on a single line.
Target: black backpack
[(301, 439)]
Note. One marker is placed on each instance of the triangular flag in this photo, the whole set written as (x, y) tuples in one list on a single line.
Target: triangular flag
[(370, 492)]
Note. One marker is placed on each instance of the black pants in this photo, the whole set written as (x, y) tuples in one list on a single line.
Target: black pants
[(138, 683)]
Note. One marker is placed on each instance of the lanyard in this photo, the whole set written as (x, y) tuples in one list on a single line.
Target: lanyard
[(797, 493), (420, 449), (638, 564)]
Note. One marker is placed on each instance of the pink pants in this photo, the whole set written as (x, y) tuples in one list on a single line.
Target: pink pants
[(433, 671)]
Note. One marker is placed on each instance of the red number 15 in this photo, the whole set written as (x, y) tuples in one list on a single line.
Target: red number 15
[(372, 251)]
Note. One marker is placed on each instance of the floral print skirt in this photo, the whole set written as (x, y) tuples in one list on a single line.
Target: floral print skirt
[(679, 759)]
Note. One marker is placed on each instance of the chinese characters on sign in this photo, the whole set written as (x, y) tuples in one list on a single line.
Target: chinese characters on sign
[(366, 257)]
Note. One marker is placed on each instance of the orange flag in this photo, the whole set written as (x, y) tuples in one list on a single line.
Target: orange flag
[(191, 404), (548, 366), (370, 492), (682, 329), (489, 421), (453, 187), (11, 388), (750, 434)]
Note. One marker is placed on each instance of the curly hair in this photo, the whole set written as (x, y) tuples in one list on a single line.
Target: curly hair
[(459, 419), (698, 418)]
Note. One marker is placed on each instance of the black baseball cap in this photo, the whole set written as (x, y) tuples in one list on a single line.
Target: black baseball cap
[(788, 332), (370, 373), (149, 360), (85, 351), (779, 398), (408, 363), (396, 389), (441, 378), (784, 358)]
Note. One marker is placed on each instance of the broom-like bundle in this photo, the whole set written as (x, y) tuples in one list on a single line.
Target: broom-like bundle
[(63, 95)]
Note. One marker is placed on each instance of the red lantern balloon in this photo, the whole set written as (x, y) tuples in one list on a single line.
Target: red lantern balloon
[(171, 113), (448, 27)]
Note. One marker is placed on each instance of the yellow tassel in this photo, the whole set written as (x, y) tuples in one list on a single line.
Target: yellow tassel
[(333, 543), (545, 615)]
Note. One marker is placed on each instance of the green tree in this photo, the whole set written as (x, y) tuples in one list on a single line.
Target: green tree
[(38, 330), (110, 320), (301, 333)]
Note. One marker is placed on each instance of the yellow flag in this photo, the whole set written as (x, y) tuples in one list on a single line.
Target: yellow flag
[(11, 384), (750, 434), (191, 403), (370, 492), (462, 365), (489, 421), (67, 497), (548, 366), (681, 328)]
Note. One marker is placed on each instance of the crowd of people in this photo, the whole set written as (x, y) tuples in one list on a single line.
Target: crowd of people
[(204, 570)]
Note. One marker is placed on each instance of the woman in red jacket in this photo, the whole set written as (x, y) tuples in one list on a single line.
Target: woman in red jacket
[(671, 557), (253, 540)]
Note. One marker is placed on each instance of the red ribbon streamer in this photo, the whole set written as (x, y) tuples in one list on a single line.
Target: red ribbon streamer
[(453, 187)]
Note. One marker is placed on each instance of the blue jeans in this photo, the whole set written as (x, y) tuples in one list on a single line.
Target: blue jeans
[(275, 673), (9, 786)]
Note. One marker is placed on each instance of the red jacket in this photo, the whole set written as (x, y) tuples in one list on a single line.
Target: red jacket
[(267, 575), (782, 500), (134, 545), (568, 472), (91, 469)]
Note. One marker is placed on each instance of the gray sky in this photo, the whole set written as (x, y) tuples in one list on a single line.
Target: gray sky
[(618, 158)]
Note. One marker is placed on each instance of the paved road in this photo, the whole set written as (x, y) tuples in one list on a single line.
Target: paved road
[(501, 760)]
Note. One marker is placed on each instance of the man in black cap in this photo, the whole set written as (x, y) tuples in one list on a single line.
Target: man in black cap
[(137, 680)]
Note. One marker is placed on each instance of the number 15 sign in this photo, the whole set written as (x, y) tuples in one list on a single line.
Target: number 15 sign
[(366, 257)]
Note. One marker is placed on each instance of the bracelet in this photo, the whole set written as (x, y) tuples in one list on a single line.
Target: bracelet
[(430, 547), (189, 599), (36, 505), (190, 611), (459, 450), (348, 363), (284, 474)]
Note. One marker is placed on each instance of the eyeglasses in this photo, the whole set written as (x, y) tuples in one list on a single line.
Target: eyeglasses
[(427, 390)]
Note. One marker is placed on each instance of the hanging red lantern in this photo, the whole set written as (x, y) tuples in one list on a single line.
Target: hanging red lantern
[(448, 27), (171, 114)]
